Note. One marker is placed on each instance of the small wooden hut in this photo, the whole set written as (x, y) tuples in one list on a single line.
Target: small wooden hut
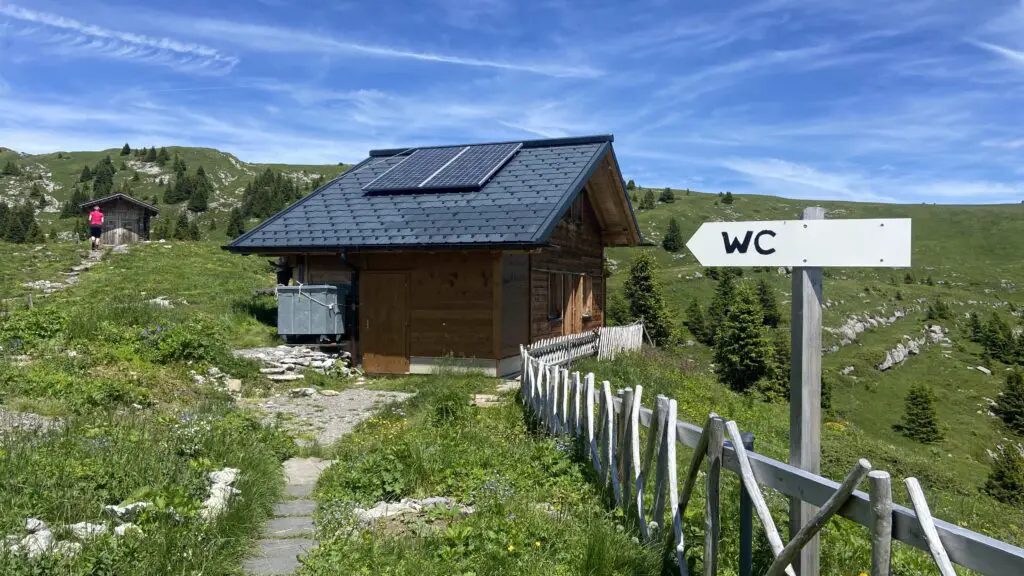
[(125, 219)]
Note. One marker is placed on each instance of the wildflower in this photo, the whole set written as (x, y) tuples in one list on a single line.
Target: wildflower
[(863, 574), (511, 548), (536, 544)]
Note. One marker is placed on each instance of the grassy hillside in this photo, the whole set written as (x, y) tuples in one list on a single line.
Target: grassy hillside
[(971, 254), (56, 173)]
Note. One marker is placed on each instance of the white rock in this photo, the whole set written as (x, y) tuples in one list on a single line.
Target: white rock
[(220, 495), (847, 371), (162, 302), (300, 392), (984, 370), (329, 392), (128, 511), (66, 548), (274, 370), (124, 529), (887, 363), (912, 347), (234, 385), (38, 543), (285, 377), (224, 476), (86, 530), (214, 372), (199, 379), (34, 525)]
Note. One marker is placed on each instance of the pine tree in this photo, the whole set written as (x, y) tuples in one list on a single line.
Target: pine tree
[(193, 231), (667, 196), (268, 193), (617, 312), (151, 154), (998, 339), (162, 156), (1006, 479), (696, 323), (630, 185), (743, 351), (181, 231), (646, 301), (920, 421), (135, 176), (11, 169), (769, 304), (673, 241), (126, 149), (103, 178), (939, 310), (236, 223), (728, 198), (1010, 406), (647, 201), (721, 303), (908, 279), (86, 174)]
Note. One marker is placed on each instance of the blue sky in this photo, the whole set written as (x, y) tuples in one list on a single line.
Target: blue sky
[(910, 100)]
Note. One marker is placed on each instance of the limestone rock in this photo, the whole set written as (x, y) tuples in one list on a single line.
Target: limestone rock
[(329, 392), (300, 392), (847, 371), (124, 529), (128, 512), (234, 385), (34, 525), (86, 530), (983, 370), (285, 377), (66, 548), (224, 476), (37, 543)]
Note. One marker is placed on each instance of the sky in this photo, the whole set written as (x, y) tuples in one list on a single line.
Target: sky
[(870, 100)]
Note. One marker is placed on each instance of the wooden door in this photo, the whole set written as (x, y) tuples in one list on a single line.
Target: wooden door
[(384, 322), (572, 317)]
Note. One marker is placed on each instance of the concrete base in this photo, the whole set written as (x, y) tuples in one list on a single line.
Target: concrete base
[(486, 366)]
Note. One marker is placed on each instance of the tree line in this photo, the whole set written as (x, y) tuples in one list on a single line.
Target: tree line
[(18, 224)]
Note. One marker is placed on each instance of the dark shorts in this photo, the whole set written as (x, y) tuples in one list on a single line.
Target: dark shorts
[(96, 231)]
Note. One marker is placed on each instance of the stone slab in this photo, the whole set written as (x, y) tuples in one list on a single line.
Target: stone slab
[(290, 527), (277, 556), (294, 508), (304, 470), (299, 490)]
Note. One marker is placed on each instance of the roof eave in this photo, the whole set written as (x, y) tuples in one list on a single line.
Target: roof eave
[(444, 246)]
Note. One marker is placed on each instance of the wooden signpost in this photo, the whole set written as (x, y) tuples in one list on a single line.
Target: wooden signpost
[(806, 245)]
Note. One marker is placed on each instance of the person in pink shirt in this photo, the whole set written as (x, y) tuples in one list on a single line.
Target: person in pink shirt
[(95, 226)]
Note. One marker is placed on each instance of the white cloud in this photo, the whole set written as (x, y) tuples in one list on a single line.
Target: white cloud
[(1015, 56), (277, 39), (72, 37)]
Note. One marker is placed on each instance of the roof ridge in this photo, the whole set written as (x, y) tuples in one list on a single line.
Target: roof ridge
[(536, 143)]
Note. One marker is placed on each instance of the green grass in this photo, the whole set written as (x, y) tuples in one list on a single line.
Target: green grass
[(68, 475), (23, 263), (437, 445)]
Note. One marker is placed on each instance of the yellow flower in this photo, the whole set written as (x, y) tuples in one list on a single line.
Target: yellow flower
[(863, 574), (511, 548), (537, 544)]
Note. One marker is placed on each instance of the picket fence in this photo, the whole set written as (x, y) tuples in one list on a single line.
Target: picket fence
[(563, 403), (604, 343)]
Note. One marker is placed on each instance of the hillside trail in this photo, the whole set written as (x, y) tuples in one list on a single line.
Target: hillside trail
[(327, 416)]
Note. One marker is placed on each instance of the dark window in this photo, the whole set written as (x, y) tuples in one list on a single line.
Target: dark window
[(555, 296)]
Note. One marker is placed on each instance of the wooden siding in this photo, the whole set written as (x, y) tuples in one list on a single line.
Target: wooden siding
[(326, 270), (515, 302), (451, 300), (576, 249), (123, 223)]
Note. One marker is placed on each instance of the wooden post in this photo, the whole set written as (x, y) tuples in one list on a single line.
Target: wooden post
[(634, 460), (577, 394), (608, 447), (805, 397), (622, 499), (712, 526), (655, 447), (673, 481), (881, 530), (588, 415), (565, 422)]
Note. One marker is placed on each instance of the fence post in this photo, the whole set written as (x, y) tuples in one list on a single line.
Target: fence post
[(577, 393), (626, 396), (881, 531), (805, 396), (712, 525), (746, 519)]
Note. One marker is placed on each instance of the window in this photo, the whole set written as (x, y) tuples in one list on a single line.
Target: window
[(555, 296), (588, 297)]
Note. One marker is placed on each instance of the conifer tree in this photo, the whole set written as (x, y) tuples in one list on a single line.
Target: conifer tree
[(135, 176), (998, 339), (630, 185), (198, 200), (86, 174), (126, 149), (193, 231), (11, 169), (647, 201), (696, 323), (151, 154), (721, 303), (181, 231), (673, 241), (667, 196), (1006, 479), (1010, 406), (236, 223), (769, 304), (728, 198), (920, 421), (743, 351), (646, 301), (975, 328), (162, 156)]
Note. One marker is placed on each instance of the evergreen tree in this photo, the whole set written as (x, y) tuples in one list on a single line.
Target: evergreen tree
[(721, 303), (696, 323), (162, 156), (11, 169), (181, 231), (1006, 480), (646, 301), (268, 193), (647, 201), (121, 167), (72, 207), (151, 154), (908, 279), (769, 304), (728, 199), (630, 185), (198, 200), (617, 313), (673, 241), (667, 196), (236, 223), (126, 149), (743, 351), (1010, 406), (86, 174), (135, 176), (998, 339), (939, 310), (103, 178), (193, 231), (920, 421)]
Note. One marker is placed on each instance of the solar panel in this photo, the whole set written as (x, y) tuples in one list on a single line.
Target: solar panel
[(472, 167), (411, 172)]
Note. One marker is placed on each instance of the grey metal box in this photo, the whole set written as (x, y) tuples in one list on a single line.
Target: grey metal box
[(310, 310)]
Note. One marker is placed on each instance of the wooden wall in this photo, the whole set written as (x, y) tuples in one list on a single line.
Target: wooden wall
[(576, 249), (452, 299), (123, 223), (515, 302)]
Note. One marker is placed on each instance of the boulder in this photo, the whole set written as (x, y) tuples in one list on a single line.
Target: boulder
[(37, 543), (124, 529), (234, 385), (847, 371), (34, 525), (127, 512), (223, 476)]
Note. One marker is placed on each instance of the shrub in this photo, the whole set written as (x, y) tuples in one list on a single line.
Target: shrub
[(939, 310), (920, 421), (617, 313), (200, 339), (32, 326), (1006, 480), (667, 196), (1010, 406), (673, 241), (696, 323)]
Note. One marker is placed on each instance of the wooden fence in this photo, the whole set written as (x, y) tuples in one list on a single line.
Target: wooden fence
[(564, 404), (604, 343), (614, 339)]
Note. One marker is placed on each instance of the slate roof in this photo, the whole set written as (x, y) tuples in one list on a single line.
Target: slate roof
[(519, 206), (121, 196)]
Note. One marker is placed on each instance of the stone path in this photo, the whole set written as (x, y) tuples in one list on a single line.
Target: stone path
[(290, 534)]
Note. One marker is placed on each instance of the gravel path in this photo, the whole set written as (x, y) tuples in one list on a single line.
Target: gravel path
[(326, 418)]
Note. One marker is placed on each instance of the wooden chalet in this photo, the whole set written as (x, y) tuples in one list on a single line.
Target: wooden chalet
[(460, 252), (125, 219)]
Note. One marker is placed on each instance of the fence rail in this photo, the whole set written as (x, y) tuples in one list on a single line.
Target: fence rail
[(563, 403)]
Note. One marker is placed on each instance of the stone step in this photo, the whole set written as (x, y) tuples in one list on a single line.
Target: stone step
[(294, 508), (278, 556), (299, 490), (290, 527), (285, 377)]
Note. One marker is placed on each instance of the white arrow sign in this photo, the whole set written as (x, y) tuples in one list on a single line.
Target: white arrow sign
[(883, 243)]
